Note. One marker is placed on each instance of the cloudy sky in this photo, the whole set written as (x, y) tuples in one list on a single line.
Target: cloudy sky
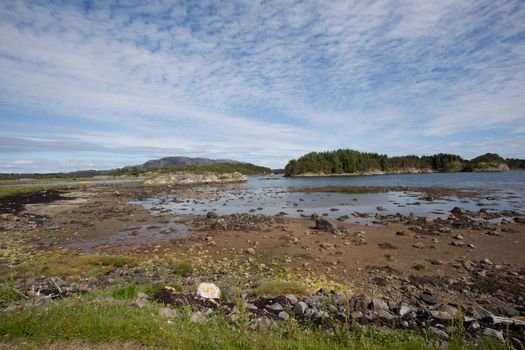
[(102, 84)]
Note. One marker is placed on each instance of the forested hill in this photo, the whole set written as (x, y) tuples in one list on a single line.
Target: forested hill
[(346, 161)]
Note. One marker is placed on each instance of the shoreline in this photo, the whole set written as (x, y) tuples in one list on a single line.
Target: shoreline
[(459, 260)]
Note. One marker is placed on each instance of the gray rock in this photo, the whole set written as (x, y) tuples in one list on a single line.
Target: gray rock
[(309, 313), (262, 323), (276, 307), (429, 298), (198, 317), (140, 301), (313, 300), (493, 333), (403, 309), (300, 308), (292, 299), (283, 315), (326, 225), (167, 312), (212, 215), (378, 304), (439, 332), (251, 307)]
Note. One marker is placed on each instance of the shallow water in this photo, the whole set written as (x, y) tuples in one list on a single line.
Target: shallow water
[(271, 196)]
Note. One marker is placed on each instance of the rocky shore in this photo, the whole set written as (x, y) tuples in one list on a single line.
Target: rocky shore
[(182, 178), (437, 276)]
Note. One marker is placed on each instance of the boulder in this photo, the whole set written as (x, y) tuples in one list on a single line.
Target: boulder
[(326, 225)]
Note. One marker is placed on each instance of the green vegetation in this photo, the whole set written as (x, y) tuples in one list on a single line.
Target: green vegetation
[(349, 162), (515, 163), (269, 286), (243, 168), (183, 268), (60, 265), (9, 190), (8, 296), (95, 319)]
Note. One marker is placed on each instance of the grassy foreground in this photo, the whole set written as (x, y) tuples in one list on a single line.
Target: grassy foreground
[(96, 319)]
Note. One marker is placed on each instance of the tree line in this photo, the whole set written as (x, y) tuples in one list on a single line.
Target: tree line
[(347, 161)]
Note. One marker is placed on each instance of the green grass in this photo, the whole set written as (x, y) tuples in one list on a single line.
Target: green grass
[(97, 321), (94, 319), (60, 265), (269, 286), (183, 268), (8, 296), (9, 190)]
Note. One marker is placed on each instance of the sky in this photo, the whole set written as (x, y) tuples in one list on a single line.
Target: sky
[(102, 84)]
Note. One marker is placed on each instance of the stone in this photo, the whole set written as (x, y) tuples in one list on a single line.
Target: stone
[(403, 309), (309, 313), (439, 332), (262, 323), (493, 333), (140, 301), (208, 291), (418, 245), (378, 304), (300, 308), (167, 312), (276, 307), (198, 317), (292, 299), (250, 251), (251, 307), (212, 215), (325, 225), (283, 315), (429, 298)]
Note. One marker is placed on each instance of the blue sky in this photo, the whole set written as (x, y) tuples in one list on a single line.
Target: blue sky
[(102, 85)]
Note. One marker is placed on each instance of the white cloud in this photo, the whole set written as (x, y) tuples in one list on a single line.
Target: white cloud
[(278, 78)]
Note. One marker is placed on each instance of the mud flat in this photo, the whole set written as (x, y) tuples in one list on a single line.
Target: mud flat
[(466, 260)]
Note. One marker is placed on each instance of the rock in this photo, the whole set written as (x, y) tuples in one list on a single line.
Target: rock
[(378, 304), (181, 178), (326, 225), (493, 333), (276, 307), (208, 291), (385, 315), (212, 215), (262, 323), (292, 299), (403, 309), (309, 313), (198, 317), (8, 217), (140, 301), (300, 308), (251, 307), (250, 251), (429, 298), (219, 224), (439, 332), (457, 211), (167, 312), (418, 245), (283, 315)]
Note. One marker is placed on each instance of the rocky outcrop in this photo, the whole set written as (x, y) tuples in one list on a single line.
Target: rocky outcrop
[(489, 167), (181, 178)]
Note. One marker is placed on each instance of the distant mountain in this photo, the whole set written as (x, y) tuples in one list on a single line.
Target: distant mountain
[(175, 161), (196, 165)]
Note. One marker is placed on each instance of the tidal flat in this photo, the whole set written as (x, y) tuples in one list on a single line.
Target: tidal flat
[(316, 257)]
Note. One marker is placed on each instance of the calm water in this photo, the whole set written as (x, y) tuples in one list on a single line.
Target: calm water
[(271, 196)]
